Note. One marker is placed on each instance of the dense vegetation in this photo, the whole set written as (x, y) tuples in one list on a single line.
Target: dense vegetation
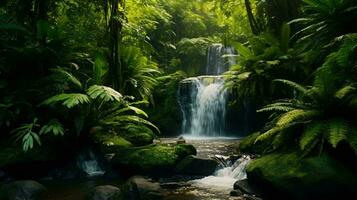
[(77, 73)]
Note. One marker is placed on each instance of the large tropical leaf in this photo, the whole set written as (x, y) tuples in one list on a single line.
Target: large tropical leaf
[(69, 100), (104, 93)]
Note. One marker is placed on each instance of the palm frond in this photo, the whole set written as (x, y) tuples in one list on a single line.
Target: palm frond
[(104, 93), (54, 126), (68, 76), (68, 100)]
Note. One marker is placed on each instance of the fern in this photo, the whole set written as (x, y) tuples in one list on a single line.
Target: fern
[(337, 131), (69, 100), (269, 134), (294, 85), (310, 134), (122, 119), (54, 126), (296, 115), (104, 93), (276, 108), (341, 93)]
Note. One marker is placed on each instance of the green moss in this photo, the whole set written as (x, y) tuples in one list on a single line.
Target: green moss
[(150, 159), (248, 145), (300, 178)]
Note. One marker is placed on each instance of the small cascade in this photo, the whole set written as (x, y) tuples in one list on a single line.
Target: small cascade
[(88, 162), (227, 176), (203, 99), (217, 63)]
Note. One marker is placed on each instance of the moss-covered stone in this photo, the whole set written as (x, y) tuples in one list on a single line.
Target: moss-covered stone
[(139, 138), (248, 145), (153, 159), (319, 177), (196, 166), (112, 143)]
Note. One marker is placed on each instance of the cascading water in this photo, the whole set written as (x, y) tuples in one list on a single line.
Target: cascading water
[(203, 99), (227, 176), (87, 161)]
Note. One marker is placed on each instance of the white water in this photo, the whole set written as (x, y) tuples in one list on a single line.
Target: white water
[(203, 99), (208, 114), (88, 163), (225, 178)]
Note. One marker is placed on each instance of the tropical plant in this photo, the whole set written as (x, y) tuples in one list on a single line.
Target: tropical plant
[(324, 20), (323, 112), (265, 59)]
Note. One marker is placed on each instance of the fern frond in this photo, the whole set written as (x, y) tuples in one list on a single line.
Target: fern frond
[(104, 93), (269, 134), (68, 77), (119, 120), (310, 134), (276, 108), (341, 93), (126, 109), (54, 126), (296, 115), (337, 131), (69, 100), (294, 85), (352, 139)]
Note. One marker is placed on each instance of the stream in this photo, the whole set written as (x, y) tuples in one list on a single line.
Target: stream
[(214, 187)]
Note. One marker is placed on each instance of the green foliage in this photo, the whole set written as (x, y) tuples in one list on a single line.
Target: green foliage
[(67, 100), (323, 20), (53, 126), (104, 93)]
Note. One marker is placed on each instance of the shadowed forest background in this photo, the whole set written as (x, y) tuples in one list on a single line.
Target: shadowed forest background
[(104, 83)]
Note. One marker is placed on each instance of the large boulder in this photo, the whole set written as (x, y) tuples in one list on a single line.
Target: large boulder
[(138, 188), (289, 176), (245, 187), (193, 165), (22, 190), (153, 159), (105, 192)]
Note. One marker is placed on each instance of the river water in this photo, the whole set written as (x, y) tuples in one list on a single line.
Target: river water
[(218, 185), (214, 187)]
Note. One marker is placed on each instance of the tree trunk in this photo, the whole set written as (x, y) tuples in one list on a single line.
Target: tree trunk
[(115, 28)]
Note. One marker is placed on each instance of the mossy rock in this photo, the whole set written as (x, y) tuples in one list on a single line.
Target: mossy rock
[(139, 138), (248, 145), (153, 159), (288, 176), (111, 143)]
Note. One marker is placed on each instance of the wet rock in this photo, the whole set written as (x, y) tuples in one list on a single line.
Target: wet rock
[(174, 185), (193, 165), (288, 176), (153, 159), (139, 187), (236, 193), (22, 190), (180, 140), (251, 197), (105, 192), (243, 185)]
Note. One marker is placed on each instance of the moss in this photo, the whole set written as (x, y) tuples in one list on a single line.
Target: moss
[(248, 145), (151, 159), (297, 178)]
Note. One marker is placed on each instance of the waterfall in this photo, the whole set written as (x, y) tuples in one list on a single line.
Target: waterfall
[(227, 176), (88, 162), (203, 99)]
